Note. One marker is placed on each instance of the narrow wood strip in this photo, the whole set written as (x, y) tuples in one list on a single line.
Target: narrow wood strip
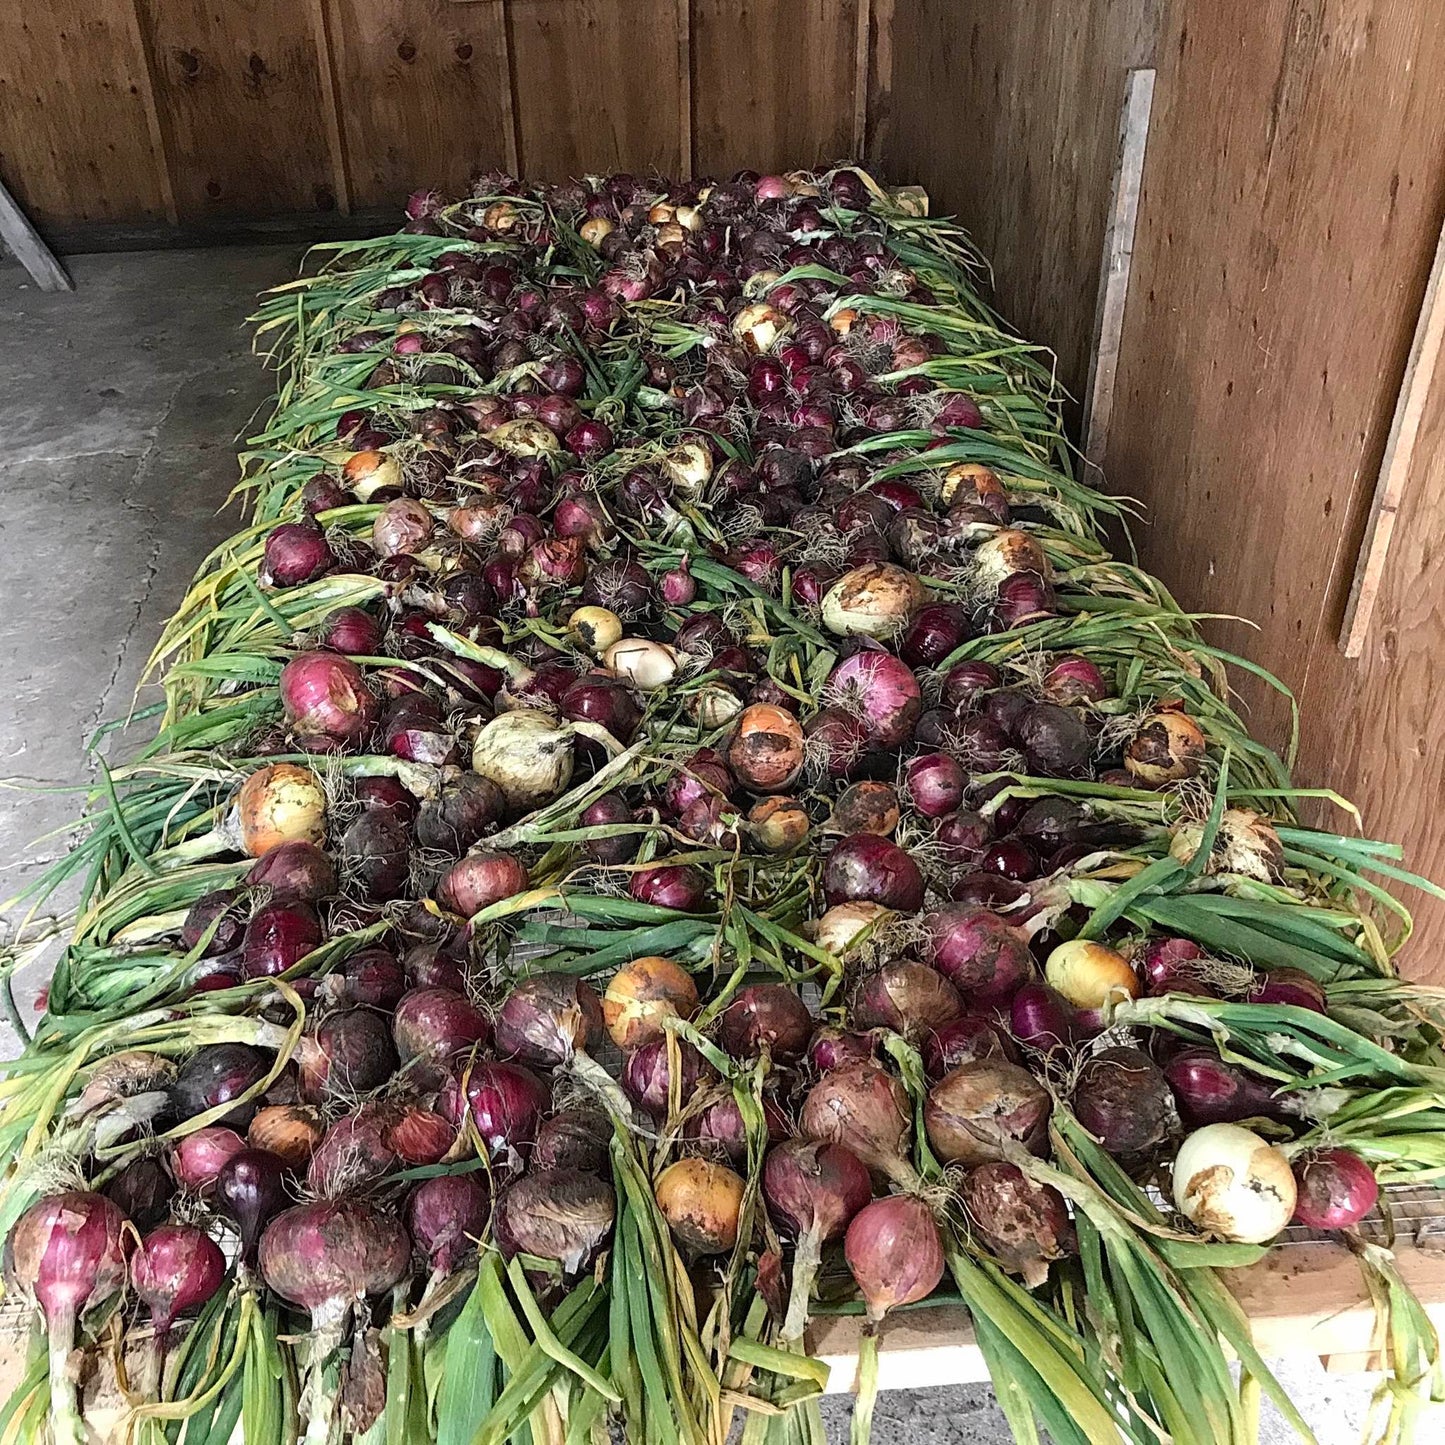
[(861, 80), (30, 250), (153, 111), (330, 104), (1117, 261), (1399, 459), (686, 153), (511, 124)]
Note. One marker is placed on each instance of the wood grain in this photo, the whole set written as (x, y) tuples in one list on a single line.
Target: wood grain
[(1292, 200), (774, 82), (597, 86), (1009, 115), (238, 87), (74, 143), (421, 86)]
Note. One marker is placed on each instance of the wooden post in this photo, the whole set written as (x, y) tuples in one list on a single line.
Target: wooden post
[(1399, 459), (1118, 257), (32, 253)]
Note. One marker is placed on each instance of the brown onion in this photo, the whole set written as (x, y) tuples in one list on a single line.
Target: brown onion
[(973, 1113), (1025, 1224)]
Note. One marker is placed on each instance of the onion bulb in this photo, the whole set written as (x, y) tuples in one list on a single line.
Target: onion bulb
[(875, 600), (701, 1202), (527, 754), (1230, 1184), (594, 628), (280, 803), (1167, 748), (1336, 1189), (688, 466), (1090, 975), (641, 996), (647, 666), (766, 749)]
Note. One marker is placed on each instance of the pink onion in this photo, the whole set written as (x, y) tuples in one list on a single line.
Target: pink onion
[(765, 1017), (1336, 1189), (983, 956), (446, 1216), (886, 692), (325, 696), (176, 1269), (935, 784), (894, 1252)]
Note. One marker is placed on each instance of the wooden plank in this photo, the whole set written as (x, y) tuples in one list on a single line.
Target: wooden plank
[(1399, 461), (423, 89), (32, 253), (996, 110), (1302, 1300), (146, 84), (1117, 262), (239, 87), (74, 142), (330, 103), (878, 100), (775, 82), (597, 86)]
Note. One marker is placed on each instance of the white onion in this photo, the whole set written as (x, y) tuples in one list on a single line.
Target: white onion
[(714, 706), (527, 754), (761, 326), (689, 467), (1231, 1184), (837, 929), (524, 437), (1006, 552), (643, 664), (875, 600)]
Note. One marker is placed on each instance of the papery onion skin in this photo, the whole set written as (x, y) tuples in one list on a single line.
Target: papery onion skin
[(280, 803), (197, 1158), (1335, 1189), (528, 754), (864, 1108), (907, 997), (968, 1037), (894, 1252), (67, 1252), (325, 696), (333, 1252), (766, 749), (431, 1026), (766, 1017), (1123, 1099), (547, 1018), (815, 1187), (979, 1110), (875, 600), (641, 995), (1231, 1185), (1025, 1224), (701, 1202), (292, 1132), (864, 867), (574, 1138), (560, 1214), (505, 1103)]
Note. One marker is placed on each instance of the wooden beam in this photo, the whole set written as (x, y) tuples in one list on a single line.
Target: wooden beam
[(684, 71), (331, 105), (153, 111), (1117, 260), (1399, 460), (32, 253), (861, 80)]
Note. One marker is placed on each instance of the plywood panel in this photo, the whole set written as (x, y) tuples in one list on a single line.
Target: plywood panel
[(600, 85), (239, 92), (423, 92), (74, 143), (773, 82), (1009, 116), (1293, 194)]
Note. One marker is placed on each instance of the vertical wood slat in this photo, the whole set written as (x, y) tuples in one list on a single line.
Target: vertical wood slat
[(1117, 262), (330, 105), (147, 82), (508, 91), (862, 41), (1400, 458), (685, 83)]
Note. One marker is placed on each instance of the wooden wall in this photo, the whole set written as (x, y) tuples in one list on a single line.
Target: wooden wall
[(195, 111)]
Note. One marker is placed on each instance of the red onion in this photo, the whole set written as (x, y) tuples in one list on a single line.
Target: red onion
[(1336, 1189), (250, 1191), (886, 692), (350, 1053), (908, 997), (1042, 1018), (622, 586), (1167, 965), (205, 911), (866, 1109), (376, 854), (589, 438), (966, 683), (866, 867), (351, 630), (894, 1252), (547, 1019), (1291, 987), (677, 587), (575, 1138), (197, 1157), (218, 1074), (765, 1017), (295, 552), (964, 1040), (1122, 1098), (482, 878), (975, 1112), (647, 1076), (1025, 1224), (606, 701), (831, 1048), (504, 1102), (935, 784), (294, 871), (175, 1269), (678, 886), (1210, 1091), (431, 1027), (467, 807), (560, 1214), (446, 1216), (963, 836), (143, 1192), (1073, 679), (354, 1154), (325, 696), (983, 956)]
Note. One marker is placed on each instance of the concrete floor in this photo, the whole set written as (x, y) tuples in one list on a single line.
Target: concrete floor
[(119, 406)]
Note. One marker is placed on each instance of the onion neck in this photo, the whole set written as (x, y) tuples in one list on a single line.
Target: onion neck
[(66, 1424), (867, 1389), (608, 1090), (807, 1261)]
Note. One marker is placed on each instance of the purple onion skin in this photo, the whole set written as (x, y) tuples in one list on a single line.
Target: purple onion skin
[(222, 904), (967, 1038), (251, 1190), (352, 1053), (677, 886), (1123, 1099), (832, 1048), (1336, 1189), (870, 869), (217, 1074), (446, 1216), (198, 1156), (1041, 1018), (505, 1103), (143, 1192), (766, 1016), (1025, 1224), (863, 1107), (560, 1214), (610, 809), (176, 1269), (1210, 1091), (985, 957), (431, 1026), (814, 1187), (575, 1138), (297, 870), (646, 1076), (935, 784), (354, 1155), (894, 1252), (333, 1252), (908, 997), (279, 935), (1167, 965), (68, 1252), (548, 1018), (373, 978)]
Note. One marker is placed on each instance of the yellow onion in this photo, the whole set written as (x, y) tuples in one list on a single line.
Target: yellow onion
[(641, 996), (761, 327), (641, 663), (688, 466), (500, 217), (779, 825), (527, 754), (366, 473), (766, 750), (525, 437), (594, 628), (289, 1131), (689, 217), (660, 213), (1232, 1185), (1167, 748), (875, 600), (975, 480), (839, 928), (1007, 552), (281, 803), (701, 1202), (1089, 974), (1246, 844), (595, 229)]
